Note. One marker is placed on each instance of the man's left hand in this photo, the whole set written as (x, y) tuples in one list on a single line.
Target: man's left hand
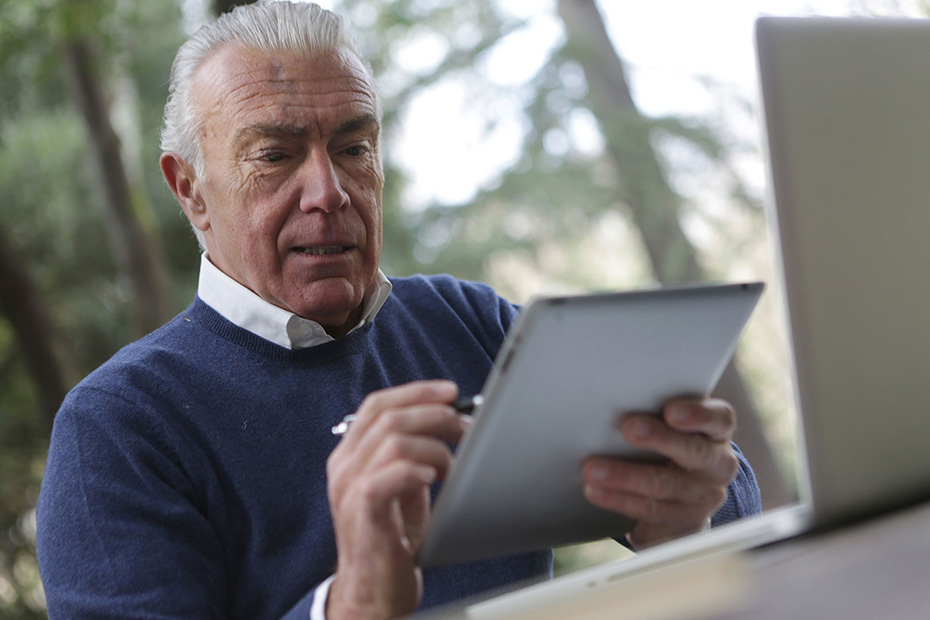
[(677, 498)]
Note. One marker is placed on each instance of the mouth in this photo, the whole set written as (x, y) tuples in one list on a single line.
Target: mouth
[(322, 250)]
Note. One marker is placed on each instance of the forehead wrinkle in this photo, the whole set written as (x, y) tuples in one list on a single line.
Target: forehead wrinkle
[(249, 77), (242, 95), (254, 68), (258, 83)]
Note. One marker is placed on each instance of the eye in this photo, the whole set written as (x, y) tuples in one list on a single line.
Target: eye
[(356, 150), (272, 157)]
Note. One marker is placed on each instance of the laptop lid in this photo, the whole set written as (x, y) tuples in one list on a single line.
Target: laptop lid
[(847, 106)]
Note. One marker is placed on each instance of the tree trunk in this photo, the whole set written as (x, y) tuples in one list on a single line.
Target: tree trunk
[(654, 205), (225, 6), (32, 324), (136, 253)]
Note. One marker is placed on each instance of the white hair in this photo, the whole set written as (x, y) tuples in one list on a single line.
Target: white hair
[(269, 25)]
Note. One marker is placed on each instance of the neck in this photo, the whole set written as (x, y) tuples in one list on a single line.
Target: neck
[(338, 331)]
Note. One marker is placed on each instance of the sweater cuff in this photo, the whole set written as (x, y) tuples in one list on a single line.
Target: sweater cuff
[(318, 608)]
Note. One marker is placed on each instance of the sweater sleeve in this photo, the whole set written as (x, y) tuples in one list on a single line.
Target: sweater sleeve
[(743, 496), (119, 531), (122, 532)]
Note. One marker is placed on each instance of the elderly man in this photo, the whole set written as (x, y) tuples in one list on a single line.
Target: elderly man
[(194, 475)]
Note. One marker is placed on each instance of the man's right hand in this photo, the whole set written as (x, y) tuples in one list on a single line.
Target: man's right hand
[(378, 478)]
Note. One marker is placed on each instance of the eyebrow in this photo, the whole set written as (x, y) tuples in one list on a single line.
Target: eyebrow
[(356, 124), (269, 130), (300, 131)]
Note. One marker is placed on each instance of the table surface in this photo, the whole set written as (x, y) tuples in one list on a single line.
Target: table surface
[(872, 570), (876, 569)]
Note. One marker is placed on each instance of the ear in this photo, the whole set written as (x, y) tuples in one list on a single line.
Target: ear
[(183, 181)]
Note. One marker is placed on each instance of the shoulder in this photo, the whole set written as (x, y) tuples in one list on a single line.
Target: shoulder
[(460, 296), (150, 369), (445, 306)]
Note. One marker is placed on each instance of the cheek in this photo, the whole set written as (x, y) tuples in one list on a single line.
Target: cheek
[(365, 195)]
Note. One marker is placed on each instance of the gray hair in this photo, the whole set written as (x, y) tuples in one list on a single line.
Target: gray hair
[(270, 25)]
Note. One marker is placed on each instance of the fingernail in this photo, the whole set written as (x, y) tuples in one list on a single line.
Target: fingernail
[(640, 428), (679, 414), (592, 492), (599, 471), (427, 474)]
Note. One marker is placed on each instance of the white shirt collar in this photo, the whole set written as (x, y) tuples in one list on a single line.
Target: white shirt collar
[(242, 307)]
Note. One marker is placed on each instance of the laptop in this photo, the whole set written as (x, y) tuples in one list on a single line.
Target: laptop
[(847, 111)]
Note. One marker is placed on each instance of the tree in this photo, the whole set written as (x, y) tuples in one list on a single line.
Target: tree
[(63, 299), (35, 330), (225, 6), (654, 205), (136, 250)]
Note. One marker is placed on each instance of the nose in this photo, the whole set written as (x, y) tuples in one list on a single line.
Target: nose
[(320, 185)]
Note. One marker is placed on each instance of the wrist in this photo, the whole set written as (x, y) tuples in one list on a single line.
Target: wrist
[(346, 600)]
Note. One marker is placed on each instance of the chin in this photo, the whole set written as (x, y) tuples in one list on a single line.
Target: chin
[(329, 309)]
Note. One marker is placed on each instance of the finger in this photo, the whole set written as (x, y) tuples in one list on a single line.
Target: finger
[(409, 394), (673, 515), (438, 422), (710, 416), (397, 479), (366, 504), (662, 482), (374, 522), (422, 451), (434, 420), (648, 534), (690, 451), (389, 440), (347, 464)]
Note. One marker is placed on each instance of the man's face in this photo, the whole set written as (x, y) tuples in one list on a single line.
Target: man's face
[(291, 191)]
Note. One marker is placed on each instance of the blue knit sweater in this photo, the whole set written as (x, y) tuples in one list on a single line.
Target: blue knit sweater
[(186, 476)]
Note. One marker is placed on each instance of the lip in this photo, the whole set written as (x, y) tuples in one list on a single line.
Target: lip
[(323, 253), (322, 250)]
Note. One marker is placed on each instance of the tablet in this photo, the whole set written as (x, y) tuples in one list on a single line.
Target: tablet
[(569, 368)]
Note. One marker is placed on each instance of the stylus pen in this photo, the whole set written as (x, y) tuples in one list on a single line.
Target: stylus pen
[(462, 405)]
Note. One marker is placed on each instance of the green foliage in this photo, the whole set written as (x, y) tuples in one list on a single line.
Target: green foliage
[(51, 213), (461, 31)]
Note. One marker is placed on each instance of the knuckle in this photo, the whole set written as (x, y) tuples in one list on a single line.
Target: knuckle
[(728, 414), (334, 466), (374, 401), (370, 492), (665, 483), (703, 450), (730, 466), (718, 495), (447, 458), (390, 420), (420, 390), (395, 447)]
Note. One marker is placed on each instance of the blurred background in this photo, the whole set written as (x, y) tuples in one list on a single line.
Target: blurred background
[(542, 146)]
